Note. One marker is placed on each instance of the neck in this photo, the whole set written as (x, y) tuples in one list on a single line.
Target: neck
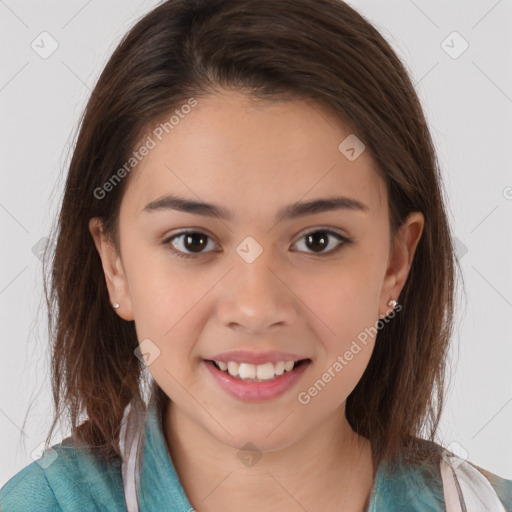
[(217, 476)]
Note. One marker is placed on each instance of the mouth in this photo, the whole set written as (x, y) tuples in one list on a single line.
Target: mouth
[(250, 382), (257, 373)]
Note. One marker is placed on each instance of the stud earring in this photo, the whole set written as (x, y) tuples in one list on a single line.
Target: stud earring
[(115, 306), (392, 304)]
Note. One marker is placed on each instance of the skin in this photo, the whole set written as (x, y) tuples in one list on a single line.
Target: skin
[(255, 158)]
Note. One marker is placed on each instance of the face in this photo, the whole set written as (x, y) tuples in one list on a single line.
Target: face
[(256, 286)]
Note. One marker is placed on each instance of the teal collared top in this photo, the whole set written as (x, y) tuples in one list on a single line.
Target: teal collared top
[(69, 478)]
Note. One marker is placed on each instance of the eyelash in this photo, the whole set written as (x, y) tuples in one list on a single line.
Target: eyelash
[(179, 254)]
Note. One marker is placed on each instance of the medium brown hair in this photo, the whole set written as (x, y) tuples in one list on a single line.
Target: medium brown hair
[(319, 50)]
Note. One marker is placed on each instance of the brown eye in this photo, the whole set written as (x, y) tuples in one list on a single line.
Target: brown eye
[(318, 241), (192, 243)]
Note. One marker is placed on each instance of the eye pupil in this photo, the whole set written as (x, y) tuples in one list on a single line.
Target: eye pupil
[(318, 235), (195, 243)]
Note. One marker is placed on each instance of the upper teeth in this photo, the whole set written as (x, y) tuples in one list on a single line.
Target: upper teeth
[(265, 371)]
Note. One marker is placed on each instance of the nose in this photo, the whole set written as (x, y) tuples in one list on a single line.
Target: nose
[(257, 297)]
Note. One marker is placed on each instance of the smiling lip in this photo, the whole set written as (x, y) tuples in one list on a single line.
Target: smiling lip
[(247, 356), (257, 391)]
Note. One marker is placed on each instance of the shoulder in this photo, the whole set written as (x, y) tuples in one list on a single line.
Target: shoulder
[(502, 486), (28, 490), (475, 485), (408, 486), (65, 478), (421, 486)]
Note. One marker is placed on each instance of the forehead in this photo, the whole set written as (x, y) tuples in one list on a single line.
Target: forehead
[(249, 155)]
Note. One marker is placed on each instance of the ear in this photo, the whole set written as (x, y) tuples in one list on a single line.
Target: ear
[(115, 276), (400, 259)]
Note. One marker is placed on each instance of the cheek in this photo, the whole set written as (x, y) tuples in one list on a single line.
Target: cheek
[(345, 347), (346, 299), (344, 309), (161, 291), (166, 307), (168, 302)]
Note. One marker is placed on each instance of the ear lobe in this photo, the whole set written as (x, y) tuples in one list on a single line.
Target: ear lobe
[(113, 269), (401, 257)]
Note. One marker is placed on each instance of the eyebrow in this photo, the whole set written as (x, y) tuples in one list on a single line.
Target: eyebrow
[(292, 211)]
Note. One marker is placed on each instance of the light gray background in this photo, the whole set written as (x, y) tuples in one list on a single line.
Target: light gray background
[(468, 103)]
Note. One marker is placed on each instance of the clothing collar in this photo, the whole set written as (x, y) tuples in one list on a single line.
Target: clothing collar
[(160, 487)]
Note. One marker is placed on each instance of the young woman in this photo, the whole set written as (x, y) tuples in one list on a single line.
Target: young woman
[(251, 296)]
